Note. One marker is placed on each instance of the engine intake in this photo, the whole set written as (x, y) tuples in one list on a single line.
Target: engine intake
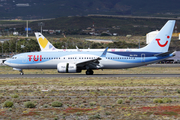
[(67, 68)]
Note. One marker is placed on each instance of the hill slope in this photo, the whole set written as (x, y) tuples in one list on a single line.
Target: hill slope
[(122, 26), (57, 8)]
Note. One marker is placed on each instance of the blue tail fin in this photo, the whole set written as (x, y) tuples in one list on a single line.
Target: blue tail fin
[(162, 41)]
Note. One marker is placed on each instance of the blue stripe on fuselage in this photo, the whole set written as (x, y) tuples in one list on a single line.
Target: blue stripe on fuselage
[(135, 54)]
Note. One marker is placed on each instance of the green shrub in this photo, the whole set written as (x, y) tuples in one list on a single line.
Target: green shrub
[(56, 118), (167, 100), (56, 104), (119, 101), (14, 96), (158, 100), (29, 104), (178, 91), (96, 116), (45, 106), (131, 98), (92, 103), (108, 113), (155, 101), (79, 113), (10, 109), (8, 104), (82, 105)]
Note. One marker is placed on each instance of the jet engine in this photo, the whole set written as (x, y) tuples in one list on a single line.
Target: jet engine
[(67, 68)]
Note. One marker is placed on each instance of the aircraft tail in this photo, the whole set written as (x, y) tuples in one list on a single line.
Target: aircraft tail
[(162, 40), (44, 44)]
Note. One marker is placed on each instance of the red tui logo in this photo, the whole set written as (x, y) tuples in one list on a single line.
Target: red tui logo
[(35, 58), (162, 45)]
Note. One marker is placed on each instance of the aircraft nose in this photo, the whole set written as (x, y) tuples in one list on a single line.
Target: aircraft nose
[(6, 63)]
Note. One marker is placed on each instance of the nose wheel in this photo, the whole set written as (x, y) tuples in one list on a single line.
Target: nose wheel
[(89, 72), (21, 72)]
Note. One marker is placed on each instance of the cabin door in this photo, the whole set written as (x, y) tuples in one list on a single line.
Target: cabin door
[(142, 57)]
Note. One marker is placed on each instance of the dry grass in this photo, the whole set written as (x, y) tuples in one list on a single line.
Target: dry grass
[(138, 70), (92, 97)]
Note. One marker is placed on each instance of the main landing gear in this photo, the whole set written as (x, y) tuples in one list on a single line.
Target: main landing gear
[(89, 72)]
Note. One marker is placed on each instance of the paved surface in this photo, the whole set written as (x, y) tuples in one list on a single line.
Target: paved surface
[(163, 65), (96, 75), (83, 75)]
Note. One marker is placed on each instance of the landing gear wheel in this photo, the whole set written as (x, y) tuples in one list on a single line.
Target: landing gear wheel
[(21, 73), (89, 72)]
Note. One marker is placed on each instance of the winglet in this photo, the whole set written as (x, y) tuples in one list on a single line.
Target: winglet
[(104, 53), (77, 49)]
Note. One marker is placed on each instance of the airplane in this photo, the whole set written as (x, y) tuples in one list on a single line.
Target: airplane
[(75, 62), (45, 45)]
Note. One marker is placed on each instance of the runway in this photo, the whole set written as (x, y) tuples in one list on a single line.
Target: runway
[(84, 76)]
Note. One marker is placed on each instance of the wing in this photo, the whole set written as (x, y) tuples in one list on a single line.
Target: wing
[(89, 61), (93, 63)]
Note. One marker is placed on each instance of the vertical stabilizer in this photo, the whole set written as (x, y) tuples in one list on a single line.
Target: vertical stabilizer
[(44, 44), (162, 40)]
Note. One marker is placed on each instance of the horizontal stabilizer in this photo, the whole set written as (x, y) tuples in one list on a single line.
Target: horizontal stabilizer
[(164, 54)]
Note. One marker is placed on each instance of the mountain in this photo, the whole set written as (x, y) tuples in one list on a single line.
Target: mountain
[(33, 9), (122, 26)]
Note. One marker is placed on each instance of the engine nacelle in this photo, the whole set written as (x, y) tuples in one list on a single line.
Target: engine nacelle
[(67, 68)]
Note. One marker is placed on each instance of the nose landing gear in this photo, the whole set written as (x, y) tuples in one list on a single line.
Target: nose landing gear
[(21, 72)]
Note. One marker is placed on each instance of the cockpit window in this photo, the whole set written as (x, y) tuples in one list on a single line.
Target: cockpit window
[(14, 57)]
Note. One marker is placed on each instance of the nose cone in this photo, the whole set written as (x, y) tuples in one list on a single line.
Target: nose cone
[(6, 63)]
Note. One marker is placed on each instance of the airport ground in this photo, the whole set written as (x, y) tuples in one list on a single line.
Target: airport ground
[(89, 97)]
